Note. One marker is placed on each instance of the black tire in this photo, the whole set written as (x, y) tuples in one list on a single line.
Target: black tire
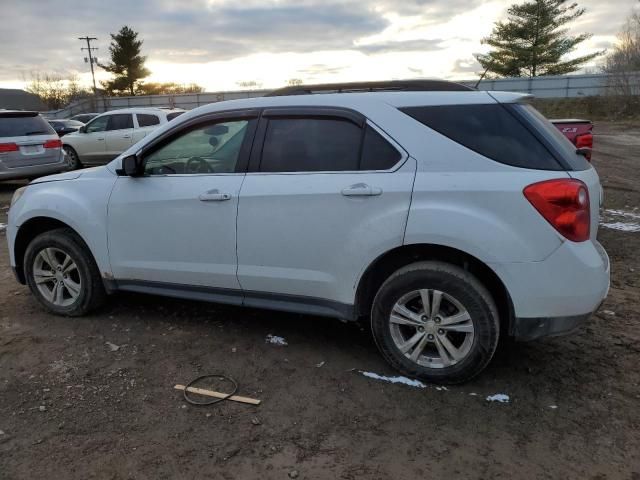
[(73, 160), (467, 290), (92, 293)]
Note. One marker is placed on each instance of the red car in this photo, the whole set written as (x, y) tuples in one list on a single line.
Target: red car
[(579, 132)]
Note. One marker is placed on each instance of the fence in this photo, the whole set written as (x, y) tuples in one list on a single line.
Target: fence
[(565, 86)]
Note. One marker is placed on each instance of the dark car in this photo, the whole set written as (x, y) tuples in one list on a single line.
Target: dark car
[(62, 127), (84, 117)]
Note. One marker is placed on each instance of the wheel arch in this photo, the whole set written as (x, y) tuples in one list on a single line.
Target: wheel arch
[(387, 263), (30, 230)]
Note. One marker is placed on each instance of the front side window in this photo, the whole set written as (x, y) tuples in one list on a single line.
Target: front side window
[(147, 120), (310, 145), (98, 125), (120, 121), (210, 148)]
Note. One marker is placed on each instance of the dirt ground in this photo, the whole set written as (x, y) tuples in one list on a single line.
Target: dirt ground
[(73, 408)]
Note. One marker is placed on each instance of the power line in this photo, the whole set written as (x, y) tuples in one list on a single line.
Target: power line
[(92, 60)]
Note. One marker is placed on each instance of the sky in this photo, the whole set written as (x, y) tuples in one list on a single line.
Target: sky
[(220, 43)]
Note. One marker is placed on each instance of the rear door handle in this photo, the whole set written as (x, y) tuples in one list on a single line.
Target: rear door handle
[(126, 136), (361, 190), (214, 196)]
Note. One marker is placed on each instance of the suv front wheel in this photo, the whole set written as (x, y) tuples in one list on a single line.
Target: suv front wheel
[(435, 321), (62, 274)]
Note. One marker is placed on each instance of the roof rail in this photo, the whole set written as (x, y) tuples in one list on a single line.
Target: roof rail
[(388, 86)]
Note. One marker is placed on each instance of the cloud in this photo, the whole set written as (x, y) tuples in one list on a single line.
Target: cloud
[(206, 31)]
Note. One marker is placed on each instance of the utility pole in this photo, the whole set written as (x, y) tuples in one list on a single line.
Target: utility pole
[(92, 60)]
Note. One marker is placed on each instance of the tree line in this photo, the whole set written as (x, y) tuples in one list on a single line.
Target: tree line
[(533, 40)]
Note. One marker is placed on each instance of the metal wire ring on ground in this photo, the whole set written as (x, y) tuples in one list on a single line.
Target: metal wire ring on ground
[(215, 400)]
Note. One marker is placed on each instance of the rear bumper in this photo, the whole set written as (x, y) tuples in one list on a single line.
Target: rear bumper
[(556, 295), (33, 171)]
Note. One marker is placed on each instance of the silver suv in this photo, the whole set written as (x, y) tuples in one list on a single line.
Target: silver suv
[(29, 146), (446, 218)]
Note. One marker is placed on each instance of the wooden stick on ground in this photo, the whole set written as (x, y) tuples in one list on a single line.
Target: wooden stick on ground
[(211, 393)]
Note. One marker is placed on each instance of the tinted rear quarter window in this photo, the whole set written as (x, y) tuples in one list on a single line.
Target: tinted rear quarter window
[(490, 130), (19, 125), (147, 120), (310, 145), (171, 116)]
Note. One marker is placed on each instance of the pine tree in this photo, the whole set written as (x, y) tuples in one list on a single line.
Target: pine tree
[(533, 42), (127, 65)]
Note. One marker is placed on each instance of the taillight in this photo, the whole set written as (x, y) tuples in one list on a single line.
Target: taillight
[(564, 203), (8, 147), (57, 143), (585, 141)]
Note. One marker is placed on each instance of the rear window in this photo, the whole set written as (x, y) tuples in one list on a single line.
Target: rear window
[(490, 130), (553, 136), (20, 125), (377, 153), (310, 145), (171, 116), (146, 120), (120, 121)]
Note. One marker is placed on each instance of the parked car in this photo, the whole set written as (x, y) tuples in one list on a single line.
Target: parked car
[(446, 218), (29, 146), (579, 132), (84, 117), (109, 134), (62, 127)]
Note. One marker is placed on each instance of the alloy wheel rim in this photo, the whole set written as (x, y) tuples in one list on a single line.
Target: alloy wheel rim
[(57, 277), (431, 328)]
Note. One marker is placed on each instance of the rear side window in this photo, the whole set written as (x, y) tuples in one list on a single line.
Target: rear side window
[(171, 116), (490, 130), (120, 121), (20, 125), (377, 153), (146, 120), (310, 145)]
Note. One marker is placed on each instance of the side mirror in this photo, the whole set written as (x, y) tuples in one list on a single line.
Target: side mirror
[(130, 166), (83, 129)]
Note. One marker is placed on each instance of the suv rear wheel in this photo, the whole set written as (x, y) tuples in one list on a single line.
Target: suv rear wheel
[(436, 322), (73, 161), (62, 274)]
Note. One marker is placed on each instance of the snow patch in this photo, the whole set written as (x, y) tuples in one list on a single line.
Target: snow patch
[(621, 220), (498, 397), (553, 407), (276, 340), (622, 226), (404, 380), (609, 312)]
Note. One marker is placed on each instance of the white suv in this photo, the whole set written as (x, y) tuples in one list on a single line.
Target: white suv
[(446, 217), (108, 135)]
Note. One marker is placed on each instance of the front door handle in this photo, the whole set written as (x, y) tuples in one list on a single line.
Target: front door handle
[(126, 136), (361, 190), (214, 196)]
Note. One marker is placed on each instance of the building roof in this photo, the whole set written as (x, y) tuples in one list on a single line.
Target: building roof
[(16, 99)]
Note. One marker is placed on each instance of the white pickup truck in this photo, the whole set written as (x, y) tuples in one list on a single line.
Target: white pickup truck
[(108, 135)]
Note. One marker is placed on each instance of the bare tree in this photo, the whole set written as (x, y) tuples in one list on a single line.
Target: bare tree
[(54, 89), (624, 61), (250, 84), (294, 82)]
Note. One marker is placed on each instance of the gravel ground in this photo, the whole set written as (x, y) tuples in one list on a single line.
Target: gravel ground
[(93, 397)]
